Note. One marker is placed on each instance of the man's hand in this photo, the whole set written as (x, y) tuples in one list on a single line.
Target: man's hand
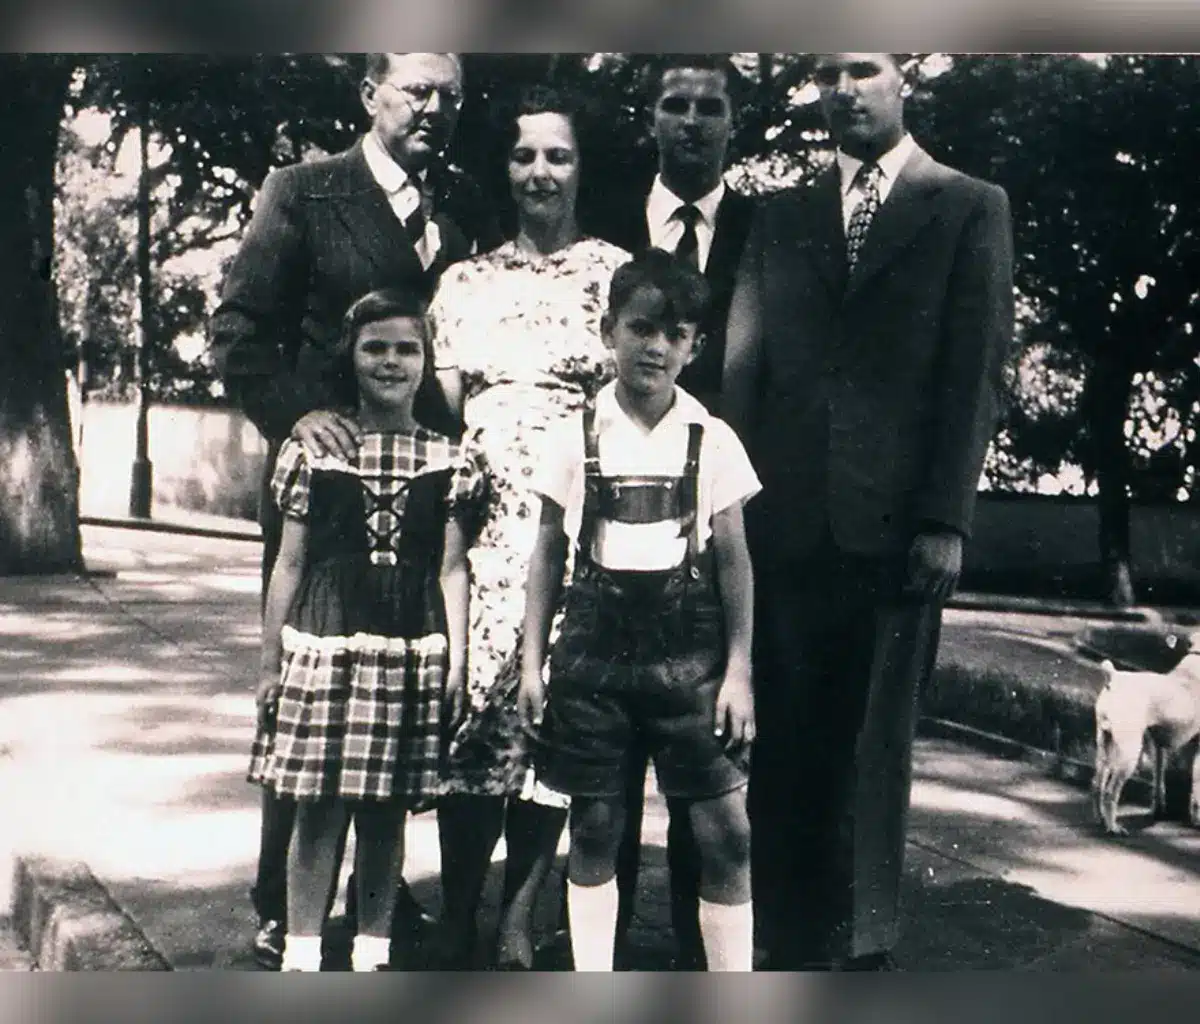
[(266, 698), (735, 711), (934, 565), (324, 432)]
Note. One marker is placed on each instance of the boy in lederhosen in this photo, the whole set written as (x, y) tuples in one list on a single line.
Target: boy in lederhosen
[(654, 644)]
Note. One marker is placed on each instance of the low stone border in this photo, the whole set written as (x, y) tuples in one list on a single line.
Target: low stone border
[(69, 922)]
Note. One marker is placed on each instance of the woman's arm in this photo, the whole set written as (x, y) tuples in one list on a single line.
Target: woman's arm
[(455, 581), (543, 591), (285, 582), (735, 580)]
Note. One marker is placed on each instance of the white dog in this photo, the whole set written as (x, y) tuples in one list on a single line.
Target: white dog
[(1133, 705)]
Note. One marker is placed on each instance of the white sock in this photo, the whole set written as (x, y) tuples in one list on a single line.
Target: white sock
[(728, 933), (370, 951), (301, 953), (593, 910)]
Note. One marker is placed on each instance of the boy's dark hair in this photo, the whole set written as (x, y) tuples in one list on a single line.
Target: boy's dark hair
[(383, 304), (682, 286), (721, 62)]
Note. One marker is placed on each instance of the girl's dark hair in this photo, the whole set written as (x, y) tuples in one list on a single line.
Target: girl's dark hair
[(382, 304), (680, 284)]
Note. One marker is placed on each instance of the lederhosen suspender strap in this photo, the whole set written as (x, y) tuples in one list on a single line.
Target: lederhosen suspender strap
[(591, 489), (689, 497)]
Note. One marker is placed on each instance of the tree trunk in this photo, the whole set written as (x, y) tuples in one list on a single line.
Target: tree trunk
[(1109, 387), (39, 477)]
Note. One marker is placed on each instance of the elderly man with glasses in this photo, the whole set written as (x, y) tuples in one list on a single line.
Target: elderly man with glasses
[(385, 213)]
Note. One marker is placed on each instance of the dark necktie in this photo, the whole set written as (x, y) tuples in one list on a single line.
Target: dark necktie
[(867, 182), (414, 223), (688, 248)]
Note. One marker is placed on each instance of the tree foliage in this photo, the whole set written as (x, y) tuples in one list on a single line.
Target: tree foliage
[(1098, 162)]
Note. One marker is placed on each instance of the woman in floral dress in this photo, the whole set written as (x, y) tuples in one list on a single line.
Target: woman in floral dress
[(517, 345)]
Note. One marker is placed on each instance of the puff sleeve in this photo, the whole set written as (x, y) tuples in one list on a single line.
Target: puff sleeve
[(292, 479)]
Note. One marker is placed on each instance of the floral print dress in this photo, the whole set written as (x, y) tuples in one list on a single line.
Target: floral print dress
[(524, 331)]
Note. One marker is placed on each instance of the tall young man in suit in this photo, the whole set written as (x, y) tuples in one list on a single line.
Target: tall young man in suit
[(687, 209), (866, 335), (385, 212)]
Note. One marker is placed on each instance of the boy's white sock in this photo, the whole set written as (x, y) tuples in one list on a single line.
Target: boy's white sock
[(301, 953), (593, 911), (370, 951), (728, 933)]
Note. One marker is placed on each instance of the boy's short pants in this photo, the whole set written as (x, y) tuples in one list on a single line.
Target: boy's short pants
[(635, 669)]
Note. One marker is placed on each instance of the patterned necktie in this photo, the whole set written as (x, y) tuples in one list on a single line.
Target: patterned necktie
[(688, 248), (867, 182)]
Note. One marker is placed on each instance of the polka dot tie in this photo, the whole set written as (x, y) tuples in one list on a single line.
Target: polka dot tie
[(867, 183)]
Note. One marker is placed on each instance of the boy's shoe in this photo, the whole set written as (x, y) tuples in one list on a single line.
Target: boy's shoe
[(268, 945)]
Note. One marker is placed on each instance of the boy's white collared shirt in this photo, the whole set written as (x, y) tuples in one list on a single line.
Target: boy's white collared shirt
[(627, 449)]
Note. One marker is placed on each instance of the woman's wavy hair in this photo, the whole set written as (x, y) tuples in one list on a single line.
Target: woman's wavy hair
[(383, 304), (549, 98)]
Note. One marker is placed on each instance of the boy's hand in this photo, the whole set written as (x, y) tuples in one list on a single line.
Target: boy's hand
[(456, 699), (266, 698), (530, 700), (735, 711)]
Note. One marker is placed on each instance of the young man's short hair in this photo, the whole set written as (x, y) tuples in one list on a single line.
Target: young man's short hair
[(719, 62), (379, 65), (682, 287)]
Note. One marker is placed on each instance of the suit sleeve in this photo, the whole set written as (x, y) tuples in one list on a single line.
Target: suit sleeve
[(977, 333), (743, 336), (255, 331)]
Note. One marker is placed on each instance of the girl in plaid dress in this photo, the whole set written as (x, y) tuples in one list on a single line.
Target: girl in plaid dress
[(364, 636)]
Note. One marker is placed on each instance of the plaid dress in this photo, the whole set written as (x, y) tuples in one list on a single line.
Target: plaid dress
[(364, 644)]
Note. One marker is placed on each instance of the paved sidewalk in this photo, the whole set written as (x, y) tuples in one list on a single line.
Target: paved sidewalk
[(126, 712)]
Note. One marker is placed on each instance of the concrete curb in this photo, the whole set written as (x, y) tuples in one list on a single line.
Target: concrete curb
[(969, 600), (250, 532), (69, 922)]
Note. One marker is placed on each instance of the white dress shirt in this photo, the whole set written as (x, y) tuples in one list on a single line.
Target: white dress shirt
[(891, 163), (666, 230), (393, 179)]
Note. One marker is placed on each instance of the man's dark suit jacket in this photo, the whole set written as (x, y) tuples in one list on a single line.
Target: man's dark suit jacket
[(323, 234), (630, 231), (877, 391)]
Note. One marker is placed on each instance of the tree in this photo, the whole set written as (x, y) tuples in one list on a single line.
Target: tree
[(39, 514), (1098, 162)]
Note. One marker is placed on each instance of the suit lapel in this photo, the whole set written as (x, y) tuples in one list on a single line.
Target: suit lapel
[(828, 236), (371, 222), (907, 209), (728, 238)]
